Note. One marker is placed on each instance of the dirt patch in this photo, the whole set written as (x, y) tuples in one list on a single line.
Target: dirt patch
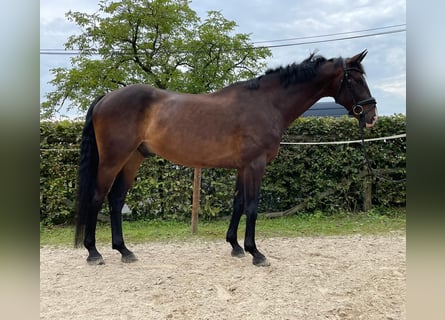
[(352, 277)]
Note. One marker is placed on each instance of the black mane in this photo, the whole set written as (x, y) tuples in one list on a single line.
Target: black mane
[(293, 73)]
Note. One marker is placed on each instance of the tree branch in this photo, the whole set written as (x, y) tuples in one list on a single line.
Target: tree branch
[(345, 183)]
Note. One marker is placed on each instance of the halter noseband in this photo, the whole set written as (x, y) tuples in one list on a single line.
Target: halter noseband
[(357, 109)]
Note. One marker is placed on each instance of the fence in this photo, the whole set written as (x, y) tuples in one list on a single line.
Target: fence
[(307, 174)]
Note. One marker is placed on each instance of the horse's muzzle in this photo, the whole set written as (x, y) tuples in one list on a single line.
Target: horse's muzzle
[(365, 116)]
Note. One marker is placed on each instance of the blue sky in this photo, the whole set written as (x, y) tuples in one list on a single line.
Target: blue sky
[(267, 20)]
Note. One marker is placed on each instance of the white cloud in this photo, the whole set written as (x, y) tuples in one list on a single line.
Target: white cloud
[(53, 9), (393, 85)]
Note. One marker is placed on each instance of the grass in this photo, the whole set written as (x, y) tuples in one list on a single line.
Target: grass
[(317, 224)]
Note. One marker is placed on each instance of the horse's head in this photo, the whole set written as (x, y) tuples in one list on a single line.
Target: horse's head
[(353, 92)]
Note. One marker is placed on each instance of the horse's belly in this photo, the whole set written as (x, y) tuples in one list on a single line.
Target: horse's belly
[(204, 153)]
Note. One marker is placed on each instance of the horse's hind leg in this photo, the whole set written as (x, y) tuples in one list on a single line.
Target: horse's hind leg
[(116, 200), (94, 257), (106, 175)]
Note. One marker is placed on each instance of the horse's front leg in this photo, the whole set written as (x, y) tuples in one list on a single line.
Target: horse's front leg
[(253, 176), (249, 241)]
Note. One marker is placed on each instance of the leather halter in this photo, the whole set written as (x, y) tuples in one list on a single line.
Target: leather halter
[(357, 109)]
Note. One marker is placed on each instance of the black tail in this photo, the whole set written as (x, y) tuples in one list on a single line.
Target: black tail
[(89, 160)]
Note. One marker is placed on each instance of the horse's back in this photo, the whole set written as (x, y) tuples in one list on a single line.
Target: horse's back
[(131, 98)]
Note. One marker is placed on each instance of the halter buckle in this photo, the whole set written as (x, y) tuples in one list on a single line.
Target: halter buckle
[(357, 110)]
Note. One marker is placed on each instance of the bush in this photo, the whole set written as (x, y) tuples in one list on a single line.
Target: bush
[(326, 178)]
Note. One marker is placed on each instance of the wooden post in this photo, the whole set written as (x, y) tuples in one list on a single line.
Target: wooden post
[(367, 192), (196, 194)]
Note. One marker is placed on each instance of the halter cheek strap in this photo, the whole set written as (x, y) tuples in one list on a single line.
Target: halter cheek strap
[(357, 109)]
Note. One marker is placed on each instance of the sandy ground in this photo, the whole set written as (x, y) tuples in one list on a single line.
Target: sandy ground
[(352, 277)]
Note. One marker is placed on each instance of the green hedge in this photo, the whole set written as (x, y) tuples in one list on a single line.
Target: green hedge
[(326, 178)]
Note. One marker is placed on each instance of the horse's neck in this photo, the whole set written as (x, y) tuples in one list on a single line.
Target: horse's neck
[(297, 98)]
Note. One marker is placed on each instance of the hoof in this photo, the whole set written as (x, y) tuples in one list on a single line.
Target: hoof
[(95, 260), (238, 253), (260, 262), (129, 258)]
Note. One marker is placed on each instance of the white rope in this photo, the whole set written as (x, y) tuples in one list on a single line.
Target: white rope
[(345, 142), (62, 150), (403, 135)]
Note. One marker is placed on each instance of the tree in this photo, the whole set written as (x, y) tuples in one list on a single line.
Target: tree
[(158, 42)]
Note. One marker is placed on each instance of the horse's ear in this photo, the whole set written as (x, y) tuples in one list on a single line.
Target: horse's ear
[(359, 57)]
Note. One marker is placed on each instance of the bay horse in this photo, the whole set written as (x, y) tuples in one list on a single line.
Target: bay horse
[(237, 127)]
